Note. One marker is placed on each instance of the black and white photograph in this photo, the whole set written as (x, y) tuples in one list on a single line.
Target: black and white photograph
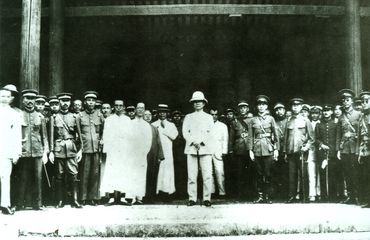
[(185, 119)]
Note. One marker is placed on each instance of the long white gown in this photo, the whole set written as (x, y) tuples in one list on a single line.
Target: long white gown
[(117, 136), (166, 173)]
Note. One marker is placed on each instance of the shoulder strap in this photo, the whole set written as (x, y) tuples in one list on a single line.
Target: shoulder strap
[(348, 122), (63, 123), (244, 124)]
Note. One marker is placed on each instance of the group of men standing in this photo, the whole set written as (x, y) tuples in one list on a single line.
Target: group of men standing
[(120, 157)]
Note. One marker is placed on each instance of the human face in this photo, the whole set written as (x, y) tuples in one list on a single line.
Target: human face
[(347, 102), (296, 108), (39, 106), (262, 107), (230, 116), (29, 102), (315, 116), (280, 112), (147, 116), (288, 114), (54, 107), (327, 114), (65, 104), (337, 111), (140, 109), (106, 110), (5, 97), (176, 117), (119, 107), (162, 115), (366, 102), (77, 105), (198, 105), (214, 114), (90, 103), (243, 110)]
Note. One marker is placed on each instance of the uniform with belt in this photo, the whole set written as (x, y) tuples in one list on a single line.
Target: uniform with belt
[(34, 152), (263, 143), (90, 123), (347, 145), (63, 138)]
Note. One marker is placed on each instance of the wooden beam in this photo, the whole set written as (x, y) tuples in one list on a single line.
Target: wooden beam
[(354, 76), (192, 9), (203, 9), (56, 43), (30, 44)]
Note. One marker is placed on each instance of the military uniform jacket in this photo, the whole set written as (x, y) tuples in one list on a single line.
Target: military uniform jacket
[(325, 133), (34, 135), (298, 133), (63, 135), (198, 127), (347, 131), (91, 128), (364, 134), (263, 136), (281, 126), (239, 135)]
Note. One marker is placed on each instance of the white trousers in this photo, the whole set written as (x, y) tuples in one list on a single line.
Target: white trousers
[(205, 165), (218, 168), (6, 166), (312, 175)]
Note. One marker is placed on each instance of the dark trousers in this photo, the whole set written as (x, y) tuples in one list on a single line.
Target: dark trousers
[(329, 179), (181, 173), (151, 177), (365, 178), (351, 173), (30, 177), (90, 173), (295, 171), (263, 167), (280, 174), (241, 177)]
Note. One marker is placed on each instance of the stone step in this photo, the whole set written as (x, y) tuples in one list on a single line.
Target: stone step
[(183, 221)]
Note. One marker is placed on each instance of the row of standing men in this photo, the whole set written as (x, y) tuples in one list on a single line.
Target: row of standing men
[(248, 148)]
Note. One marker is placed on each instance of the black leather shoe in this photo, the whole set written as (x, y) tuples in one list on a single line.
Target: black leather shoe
[(268, 200), (291, 200), (138, 202), (7, 210), (37, 208), (18, 208), (207, 203), (75, 204), (350, 200), (191, 203)]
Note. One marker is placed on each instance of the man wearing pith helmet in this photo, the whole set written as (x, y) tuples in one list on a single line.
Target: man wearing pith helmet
[(364, 150), (264, 145), (90, 122), (197, 131), (347, 147)]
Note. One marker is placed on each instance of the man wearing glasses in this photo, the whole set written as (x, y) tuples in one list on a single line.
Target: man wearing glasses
[(347, 147)]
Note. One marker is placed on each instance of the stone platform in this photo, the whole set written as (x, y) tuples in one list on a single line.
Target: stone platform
[(181, 221)]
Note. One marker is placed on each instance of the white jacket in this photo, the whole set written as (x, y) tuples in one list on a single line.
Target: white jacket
[(10, 133), (221, 136)]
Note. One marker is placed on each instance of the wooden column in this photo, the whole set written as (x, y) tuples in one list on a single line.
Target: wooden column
[(354, 76), (56, 37), (30, 44)]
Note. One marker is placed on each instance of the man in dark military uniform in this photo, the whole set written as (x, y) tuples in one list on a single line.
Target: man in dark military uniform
[(298, 139), (179, 158), (34, 151), (264, 145), (364, 151), (347, 146), (63, 151), (241, 168), (280, 168), (325, 133), (90, 122)]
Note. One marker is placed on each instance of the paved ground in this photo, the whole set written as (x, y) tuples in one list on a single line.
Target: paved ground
[(181, 221)]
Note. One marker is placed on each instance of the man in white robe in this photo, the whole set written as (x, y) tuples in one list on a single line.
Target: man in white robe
[(167, 133), (139, 147), (116, 137)]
